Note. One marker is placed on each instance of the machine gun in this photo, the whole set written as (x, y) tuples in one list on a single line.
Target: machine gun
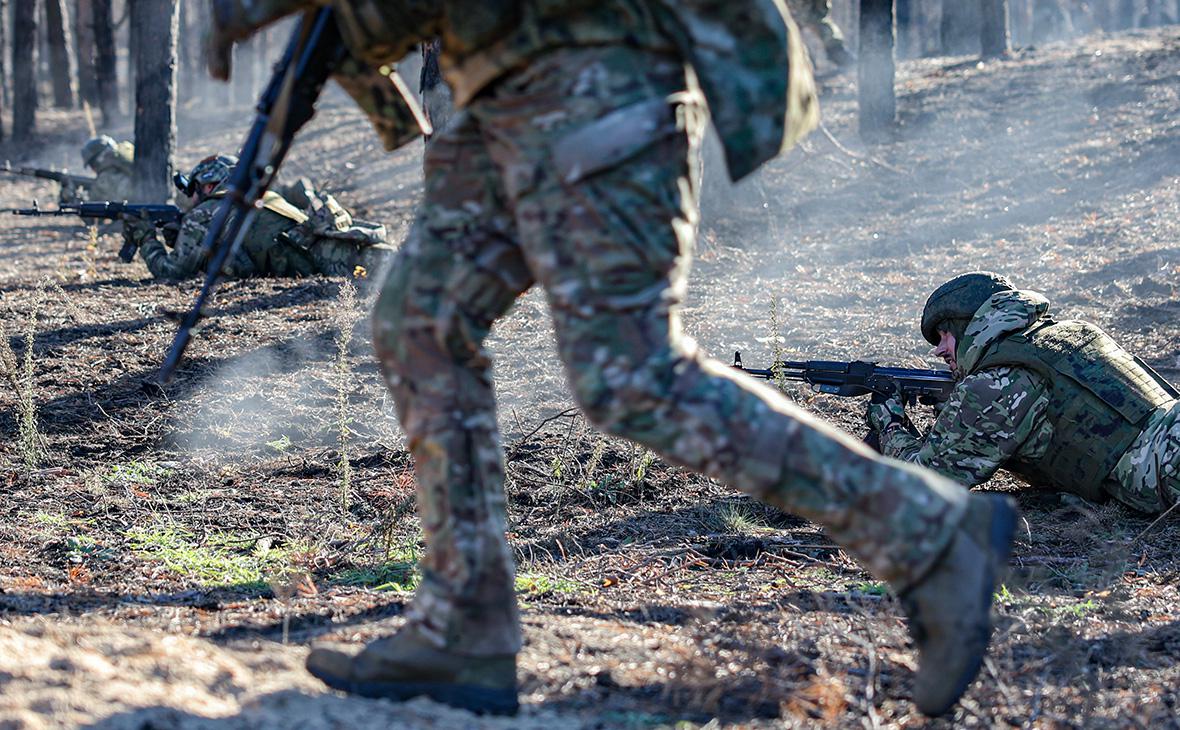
[(71, 185), (314, 52), (162, 215), (852, 379)]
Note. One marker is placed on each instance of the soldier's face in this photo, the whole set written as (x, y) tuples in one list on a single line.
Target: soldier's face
[(946, 349)]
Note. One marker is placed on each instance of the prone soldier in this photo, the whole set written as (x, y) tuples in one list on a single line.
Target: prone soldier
[(570, 164), (1058, 403), (316, 237)]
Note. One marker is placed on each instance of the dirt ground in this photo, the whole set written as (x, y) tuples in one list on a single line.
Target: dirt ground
[(167, 559)]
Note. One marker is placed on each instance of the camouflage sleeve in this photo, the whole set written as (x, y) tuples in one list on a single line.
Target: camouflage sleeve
[(990, 417), (186, 258)]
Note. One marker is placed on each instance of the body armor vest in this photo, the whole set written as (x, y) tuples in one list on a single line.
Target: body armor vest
[(1100, 399)]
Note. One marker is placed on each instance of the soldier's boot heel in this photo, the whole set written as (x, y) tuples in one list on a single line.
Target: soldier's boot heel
[(404, 666), (950, 608)]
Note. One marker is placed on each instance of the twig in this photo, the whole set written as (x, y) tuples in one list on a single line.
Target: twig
[(855, 156), (1154, 523)]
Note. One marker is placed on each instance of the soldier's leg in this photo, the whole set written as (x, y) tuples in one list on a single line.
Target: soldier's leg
[(612, 248), (600, 184), (1147, 477), (459, 271)]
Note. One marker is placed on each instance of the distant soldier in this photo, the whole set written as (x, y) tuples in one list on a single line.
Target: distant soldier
[(1058, 403), (817, 15), (112, 164), (317, 237)]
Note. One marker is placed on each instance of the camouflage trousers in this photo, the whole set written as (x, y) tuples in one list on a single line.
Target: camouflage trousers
[(1147, 477), (575, 174), (817, 15)]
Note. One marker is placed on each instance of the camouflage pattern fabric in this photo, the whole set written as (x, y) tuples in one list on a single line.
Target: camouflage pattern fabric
[(746, 55), (1148, 476), (817, 15), (112, 165), (576, 173), (997, 416)]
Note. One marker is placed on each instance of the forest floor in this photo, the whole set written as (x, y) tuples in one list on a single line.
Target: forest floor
[(167, 559)]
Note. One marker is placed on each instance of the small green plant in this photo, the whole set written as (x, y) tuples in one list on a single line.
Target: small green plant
[(280, 444), (642, 464), (778, 355), (221, 560), (19, 374), (591, 467), (135, 472), (736, 517), (536, 584), (347, 316)]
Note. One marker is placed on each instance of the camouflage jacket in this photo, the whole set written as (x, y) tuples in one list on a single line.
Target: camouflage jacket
[(264, 251), (998, 415), (747, 56), (993, 415)]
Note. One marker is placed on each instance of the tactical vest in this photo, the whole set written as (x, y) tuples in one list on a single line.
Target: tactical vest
[(1100, 399)]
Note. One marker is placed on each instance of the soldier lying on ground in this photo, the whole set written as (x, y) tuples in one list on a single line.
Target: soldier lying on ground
[(112, 164), (1057, 403), (314, 236), (570, 164)]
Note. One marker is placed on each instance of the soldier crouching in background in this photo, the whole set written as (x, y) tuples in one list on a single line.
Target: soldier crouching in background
[(112, 163), (302, 236), (1058, 403)]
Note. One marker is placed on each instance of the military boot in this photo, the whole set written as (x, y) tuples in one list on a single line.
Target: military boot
[(405, 665), (950, 607)]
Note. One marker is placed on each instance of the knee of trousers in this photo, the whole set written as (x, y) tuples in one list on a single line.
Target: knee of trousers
[(415, 336), (619, 391)]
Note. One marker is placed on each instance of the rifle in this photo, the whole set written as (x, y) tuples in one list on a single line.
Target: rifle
[(65, 178), (852, 379), (288, 102), (159, 214)]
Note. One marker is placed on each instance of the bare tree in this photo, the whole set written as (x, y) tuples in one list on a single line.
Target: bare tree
[(104, 59), (84, 51), (874, 71), (155, 97), (24, 69), (959, 28), (5, 96), (61, 53), (993, 28)]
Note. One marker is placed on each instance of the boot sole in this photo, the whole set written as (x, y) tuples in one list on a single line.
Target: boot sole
[(480, 700), (1000, 534)]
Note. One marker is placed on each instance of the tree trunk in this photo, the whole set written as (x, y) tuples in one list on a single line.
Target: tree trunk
[(155, 97), (104, 59), (24, 69), (874, 73), (960, 28), (84, 51), (61, 53), (993, 28), (5, 92)]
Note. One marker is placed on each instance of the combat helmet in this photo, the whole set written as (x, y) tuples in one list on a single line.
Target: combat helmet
[(213, 169), (958, 300), (95, 147)]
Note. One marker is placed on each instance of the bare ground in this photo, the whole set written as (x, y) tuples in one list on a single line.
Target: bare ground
[(168, 559)]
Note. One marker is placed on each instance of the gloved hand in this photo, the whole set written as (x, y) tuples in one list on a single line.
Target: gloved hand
[(136, 229), (885, 411)]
